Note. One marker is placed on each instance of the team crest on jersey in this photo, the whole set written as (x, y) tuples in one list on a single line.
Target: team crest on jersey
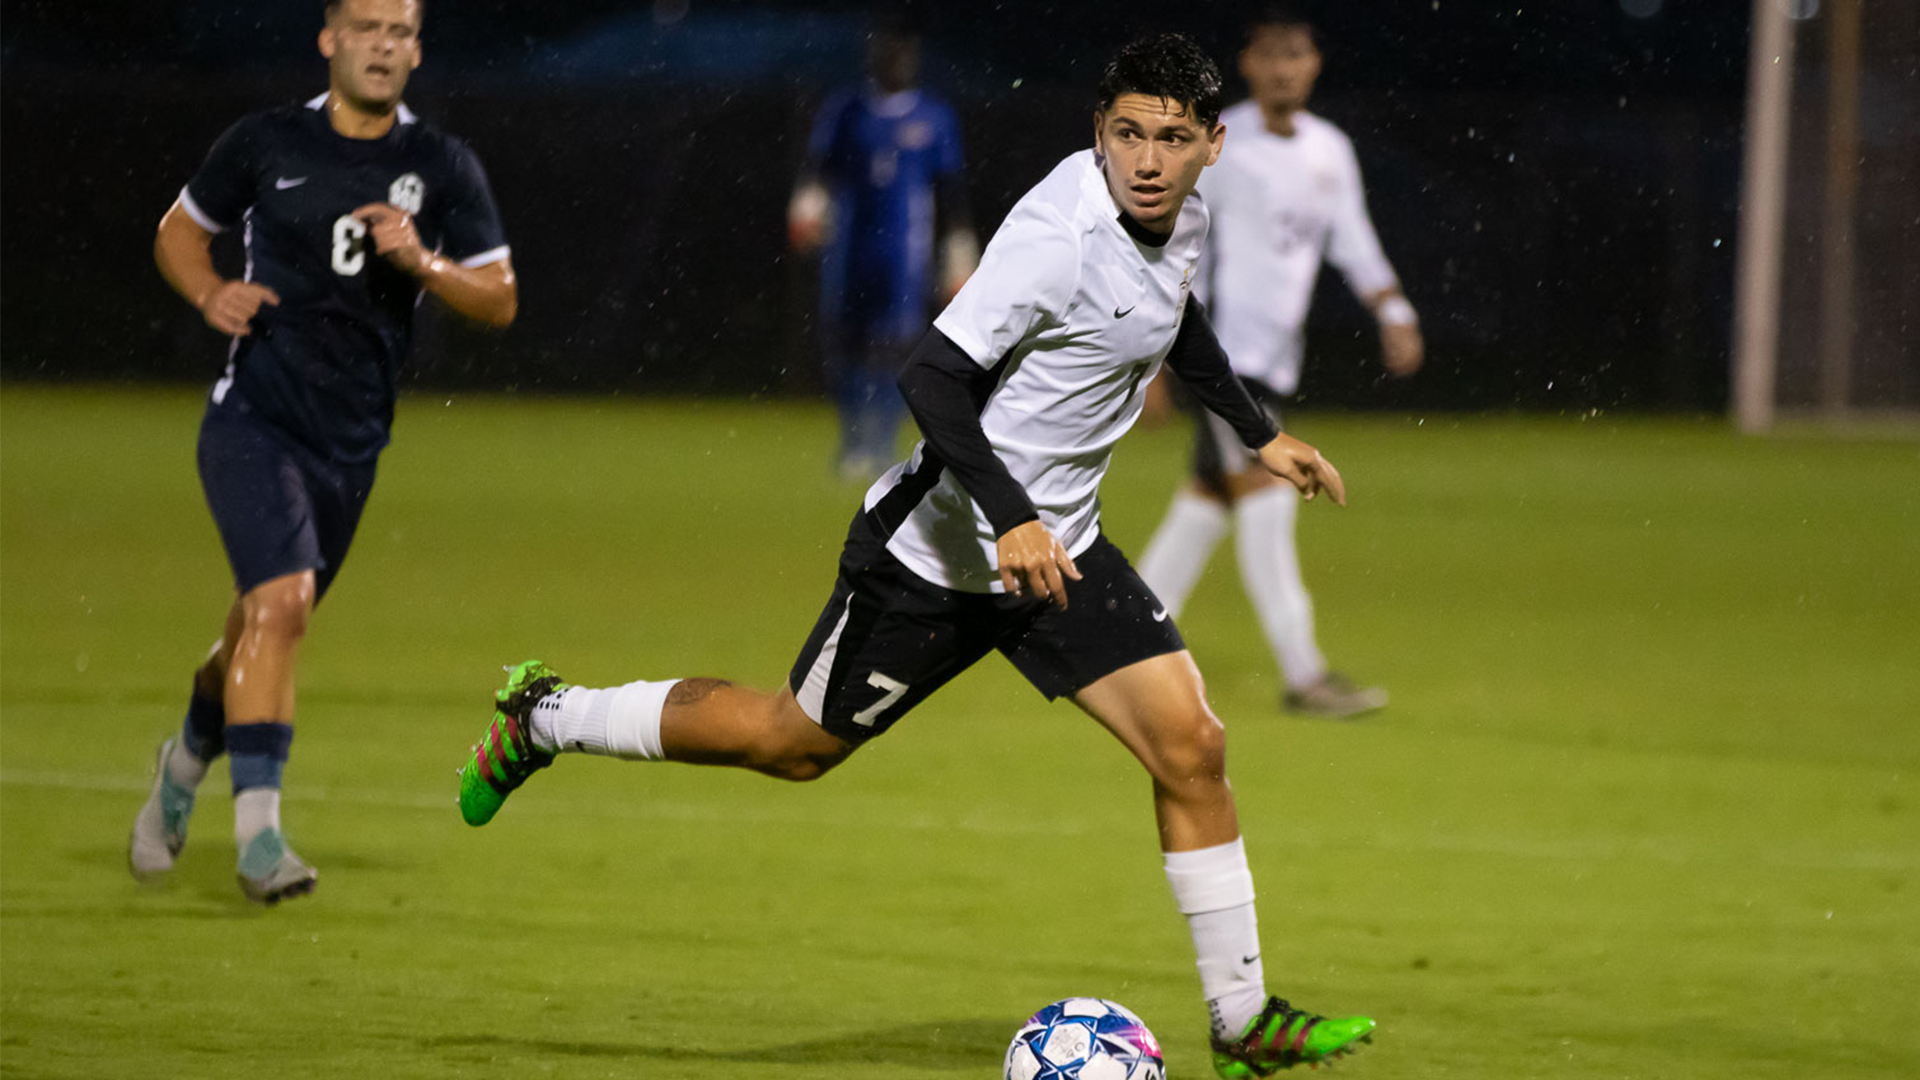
[(408, 193), (915, 135)]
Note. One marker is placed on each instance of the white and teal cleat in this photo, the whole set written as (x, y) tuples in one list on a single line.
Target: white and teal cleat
[(160, 829), (270, 872)]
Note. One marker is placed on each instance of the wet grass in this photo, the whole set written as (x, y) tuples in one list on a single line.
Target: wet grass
[(1644, 804)]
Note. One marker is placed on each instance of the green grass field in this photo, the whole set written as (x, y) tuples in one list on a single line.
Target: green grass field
[(1645, 804)]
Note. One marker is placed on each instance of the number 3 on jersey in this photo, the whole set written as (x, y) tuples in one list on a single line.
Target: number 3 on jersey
[(349, 245)]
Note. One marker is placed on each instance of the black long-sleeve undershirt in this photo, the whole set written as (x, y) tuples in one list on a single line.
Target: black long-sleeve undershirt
[(946, 392), (1202, 364)]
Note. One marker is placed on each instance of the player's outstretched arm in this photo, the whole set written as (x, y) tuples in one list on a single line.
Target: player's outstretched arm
[(488, 295), (1302, 466), (1202, 365), (181, 251)]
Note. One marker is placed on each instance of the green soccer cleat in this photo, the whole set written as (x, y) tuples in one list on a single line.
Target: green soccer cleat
[(505, 755), (1283, 1036)]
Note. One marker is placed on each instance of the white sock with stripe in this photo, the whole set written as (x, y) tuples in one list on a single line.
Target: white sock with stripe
[(622, 722), (1214, 889), (1178, 553)]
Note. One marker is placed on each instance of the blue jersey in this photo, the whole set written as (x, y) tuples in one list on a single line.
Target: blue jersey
[(880, 155), (321, 365)]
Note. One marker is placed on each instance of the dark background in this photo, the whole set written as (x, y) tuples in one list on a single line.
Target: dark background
[(1557, 183)]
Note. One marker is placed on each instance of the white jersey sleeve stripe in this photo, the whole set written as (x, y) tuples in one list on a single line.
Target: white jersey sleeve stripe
[(486, 257), (199, 216)]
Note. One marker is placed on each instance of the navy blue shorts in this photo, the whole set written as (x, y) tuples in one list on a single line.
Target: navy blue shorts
[(888, 637), (280, 507)]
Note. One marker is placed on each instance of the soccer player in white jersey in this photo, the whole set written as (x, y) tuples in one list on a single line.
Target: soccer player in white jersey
[(1285, 194), (988, 537)]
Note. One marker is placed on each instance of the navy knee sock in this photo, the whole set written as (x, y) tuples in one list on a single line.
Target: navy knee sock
[(203, 732), (257, 753)]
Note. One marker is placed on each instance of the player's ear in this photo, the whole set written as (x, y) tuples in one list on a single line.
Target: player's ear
[(1099, 155), (1218, 137), (327, 41)]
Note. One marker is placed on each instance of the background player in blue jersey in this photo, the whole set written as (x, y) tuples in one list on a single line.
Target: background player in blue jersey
[(351, 208), (882, 180)]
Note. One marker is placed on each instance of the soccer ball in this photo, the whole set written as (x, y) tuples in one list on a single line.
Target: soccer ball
[(1084, 1039)]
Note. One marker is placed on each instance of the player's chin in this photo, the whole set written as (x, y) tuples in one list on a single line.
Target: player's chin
[(380, 89), (1155, 212)]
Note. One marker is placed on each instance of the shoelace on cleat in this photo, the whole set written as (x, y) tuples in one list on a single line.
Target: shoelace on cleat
[(521, 700), (1269, 1035), (497, 768)]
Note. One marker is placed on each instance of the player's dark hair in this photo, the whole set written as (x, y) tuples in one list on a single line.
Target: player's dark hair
[(1274, 16), (1167, 66), (895, 21)]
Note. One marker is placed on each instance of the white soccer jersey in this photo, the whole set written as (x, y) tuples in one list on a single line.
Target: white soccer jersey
[(1278, 205), (1077, 316)]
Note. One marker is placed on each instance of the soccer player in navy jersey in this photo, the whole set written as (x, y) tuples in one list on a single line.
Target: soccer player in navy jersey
[(352, 208), (882, 180), (988, 538)]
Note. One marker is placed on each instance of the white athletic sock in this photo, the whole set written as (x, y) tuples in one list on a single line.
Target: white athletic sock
[(1214, 889), (255, 809), (1270, 567), (184, 767), (622, 722), (1178, 553)]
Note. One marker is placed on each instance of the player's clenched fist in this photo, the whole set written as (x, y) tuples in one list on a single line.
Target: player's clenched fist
[(1302, 466), (1033, 562), (393, 235), (231, 305), (1401, 348)]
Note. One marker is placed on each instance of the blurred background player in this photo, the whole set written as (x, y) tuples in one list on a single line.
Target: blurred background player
[(352, 208), (1285, 194), (882, 180), (988, 538)]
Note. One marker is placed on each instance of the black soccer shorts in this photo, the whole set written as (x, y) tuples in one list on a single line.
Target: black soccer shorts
[(280, 506), (888, 637)]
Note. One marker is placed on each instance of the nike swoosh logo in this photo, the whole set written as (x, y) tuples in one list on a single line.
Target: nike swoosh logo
[(1250, 959), (1118, 314), (284, 183), (1160, 616)]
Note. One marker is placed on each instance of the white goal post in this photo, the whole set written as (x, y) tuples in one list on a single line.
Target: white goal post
[(1827, 290)]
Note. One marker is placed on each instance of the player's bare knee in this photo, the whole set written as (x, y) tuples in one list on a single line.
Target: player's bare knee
[(798, 760), (1192, 748), (792, 746), (279, 610), (803, 767)]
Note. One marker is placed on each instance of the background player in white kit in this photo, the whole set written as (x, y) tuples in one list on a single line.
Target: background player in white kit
[(1286, 192), (988, 538)]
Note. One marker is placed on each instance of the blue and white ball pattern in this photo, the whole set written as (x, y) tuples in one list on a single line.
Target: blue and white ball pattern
[(1084, 1039)]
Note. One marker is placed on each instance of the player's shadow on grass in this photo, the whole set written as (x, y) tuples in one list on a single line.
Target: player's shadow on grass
[(940, 1044)]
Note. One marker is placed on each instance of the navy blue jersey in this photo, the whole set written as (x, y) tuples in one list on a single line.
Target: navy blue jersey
[(321, 365), (880, 154)]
